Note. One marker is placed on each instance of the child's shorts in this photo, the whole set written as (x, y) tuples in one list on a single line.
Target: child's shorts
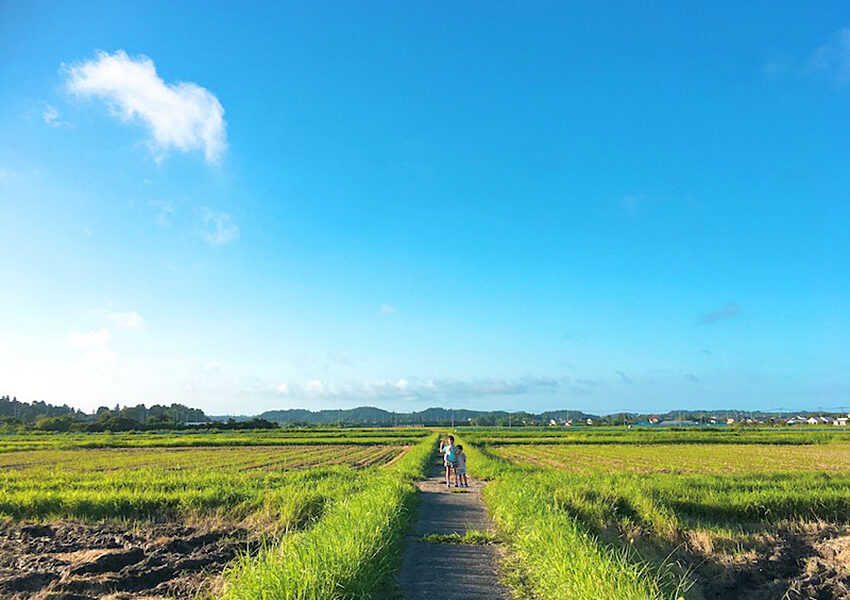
[(460, 470)]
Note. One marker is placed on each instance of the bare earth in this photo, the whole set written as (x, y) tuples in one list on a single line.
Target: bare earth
[(450, 571), (66, 560)]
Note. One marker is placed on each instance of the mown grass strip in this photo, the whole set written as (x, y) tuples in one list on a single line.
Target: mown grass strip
[(471, 537)]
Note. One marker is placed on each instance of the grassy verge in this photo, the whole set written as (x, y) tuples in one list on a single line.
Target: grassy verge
[(351, 552), (554, 555)]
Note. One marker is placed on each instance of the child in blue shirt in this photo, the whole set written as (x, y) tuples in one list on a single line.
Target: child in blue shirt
[(449, 458)]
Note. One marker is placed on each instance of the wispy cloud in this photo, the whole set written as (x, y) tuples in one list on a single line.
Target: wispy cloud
[(165, 211), (387, 309), (429, 390), (182, 115), (341, 358), (91, 339), (718, 314), (220, 228), (95, 347), (631, 203), (51, 116), (126, 320), (692, 378), (833, 57), (624, 378)]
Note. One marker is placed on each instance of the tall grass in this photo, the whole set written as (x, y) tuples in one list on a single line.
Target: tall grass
[(570, 531), (350, 553)]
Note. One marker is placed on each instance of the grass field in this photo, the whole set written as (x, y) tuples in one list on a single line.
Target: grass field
[(684, 458), (342, 500), (205, 439), (587, 514), (664, 515)]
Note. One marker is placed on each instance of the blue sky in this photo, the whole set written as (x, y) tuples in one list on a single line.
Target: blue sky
[(406, 205)]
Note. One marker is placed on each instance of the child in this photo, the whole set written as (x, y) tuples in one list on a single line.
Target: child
[(449, 459), (460, 468)]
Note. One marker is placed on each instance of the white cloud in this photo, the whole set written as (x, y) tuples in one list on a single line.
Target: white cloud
[(181, 115), (92, 339), (51, 116), (314, 386), (95, 346), (283, 388), (402, 384), (387, 309), (220, 228), (126, 320), (212, 367)]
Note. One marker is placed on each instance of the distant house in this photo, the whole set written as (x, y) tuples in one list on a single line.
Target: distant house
[(730, 421), (553, 423), (825, 420), (840, 422), (590, 421), (713, 420), (653, 419), (812, 421)]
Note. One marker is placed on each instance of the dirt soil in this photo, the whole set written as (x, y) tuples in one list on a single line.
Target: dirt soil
[(75, 561), (813, 563)]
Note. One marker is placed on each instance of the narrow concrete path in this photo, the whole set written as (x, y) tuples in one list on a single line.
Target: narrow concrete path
[(450, 571)]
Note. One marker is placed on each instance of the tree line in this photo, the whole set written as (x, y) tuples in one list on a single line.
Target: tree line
[(38, 415)]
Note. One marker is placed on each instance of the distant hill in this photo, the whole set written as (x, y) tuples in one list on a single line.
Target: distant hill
[(370, 415)]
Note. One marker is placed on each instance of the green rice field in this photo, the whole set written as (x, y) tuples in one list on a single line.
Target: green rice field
[(582, 514), (342, 499), (670, 514)]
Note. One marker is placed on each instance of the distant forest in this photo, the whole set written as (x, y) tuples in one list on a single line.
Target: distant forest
[(44, 416), (47, 417)]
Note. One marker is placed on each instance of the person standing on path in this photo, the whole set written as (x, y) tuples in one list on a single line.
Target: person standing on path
[(449, 459), (460, 468)]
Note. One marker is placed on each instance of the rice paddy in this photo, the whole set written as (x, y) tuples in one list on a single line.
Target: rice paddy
[(668, 515), (614, 514), (304, 497)]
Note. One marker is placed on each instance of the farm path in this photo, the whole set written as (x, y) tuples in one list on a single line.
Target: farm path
[(450, 571)]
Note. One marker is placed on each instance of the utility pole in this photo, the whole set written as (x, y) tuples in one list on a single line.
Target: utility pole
[(453, 418)]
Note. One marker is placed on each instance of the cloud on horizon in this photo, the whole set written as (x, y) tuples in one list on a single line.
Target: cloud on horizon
[(427, 390), (182, 115), (718, 314)]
